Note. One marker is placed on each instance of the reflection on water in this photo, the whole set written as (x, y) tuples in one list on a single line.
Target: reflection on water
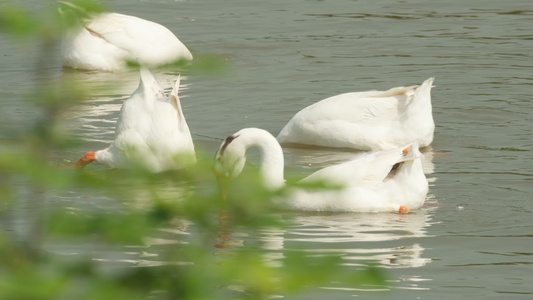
[(389, 241), (116, 84), (351, 235)]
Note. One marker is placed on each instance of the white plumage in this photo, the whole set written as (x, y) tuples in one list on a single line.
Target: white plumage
[(151, 131), (108, 40), (371, 120), (389, 180)]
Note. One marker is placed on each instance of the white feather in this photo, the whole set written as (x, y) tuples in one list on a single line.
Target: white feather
[(108, 40), (151, 131), (370, 120)]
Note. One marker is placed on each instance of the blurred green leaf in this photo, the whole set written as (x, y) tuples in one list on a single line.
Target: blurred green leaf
[(17, 22), (73, 13), (127, 228), (210, 64)]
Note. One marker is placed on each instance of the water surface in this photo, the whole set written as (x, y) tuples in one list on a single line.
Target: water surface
[(473, 241)]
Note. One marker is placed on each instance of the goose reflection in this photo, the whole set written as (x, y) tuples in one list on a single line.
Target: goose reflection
[(120, 83), (358, 238)]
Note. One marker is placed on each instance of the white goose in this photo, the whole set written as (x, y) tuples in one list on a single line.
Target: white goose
[(108, 40), (390, 180), (151, 131), (372, 120)]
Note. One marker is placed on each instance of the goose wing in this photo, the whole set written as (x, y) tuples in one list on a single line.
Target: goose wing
[(144, 40), (365, 170)]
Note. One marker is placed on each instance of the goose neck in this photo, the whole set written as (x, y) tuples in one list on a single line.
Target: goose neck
[(272, 161)]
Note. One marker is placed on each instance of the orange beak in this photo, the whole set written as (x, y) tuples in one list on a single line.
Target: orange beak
[(86, 159)]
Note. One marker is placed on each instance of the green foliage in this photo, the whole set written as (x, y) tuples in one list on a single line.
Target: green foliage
[(17, 22), (74, 11), (202, 258)]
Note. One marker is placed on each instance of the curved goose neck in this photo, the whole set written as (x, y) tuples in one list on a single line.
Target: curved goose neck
[(272, 163)]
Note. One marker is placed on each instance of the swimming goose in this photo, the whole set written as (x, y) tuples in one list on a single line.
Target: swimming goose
[(389, 180), (107, 41), (151, 131), (372, 120)]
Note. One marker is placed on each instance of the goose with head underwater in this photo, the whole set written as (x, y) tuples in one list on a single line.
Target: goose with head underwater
[(383, 181), (151, 131), (107, 41), (371, 120)]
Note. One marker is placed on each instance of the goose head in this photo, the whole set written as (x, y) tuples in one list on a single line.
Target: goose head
[(229, 163), (230, 158)]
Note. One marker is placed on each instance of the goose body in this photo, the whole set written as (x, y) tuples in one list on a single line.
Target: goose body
[(151, 131), (389, 180), (372, 120), (108, 40)]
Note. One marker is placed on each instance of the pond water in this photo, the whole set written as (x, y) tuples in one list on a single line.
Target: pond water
[(473, 239)]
